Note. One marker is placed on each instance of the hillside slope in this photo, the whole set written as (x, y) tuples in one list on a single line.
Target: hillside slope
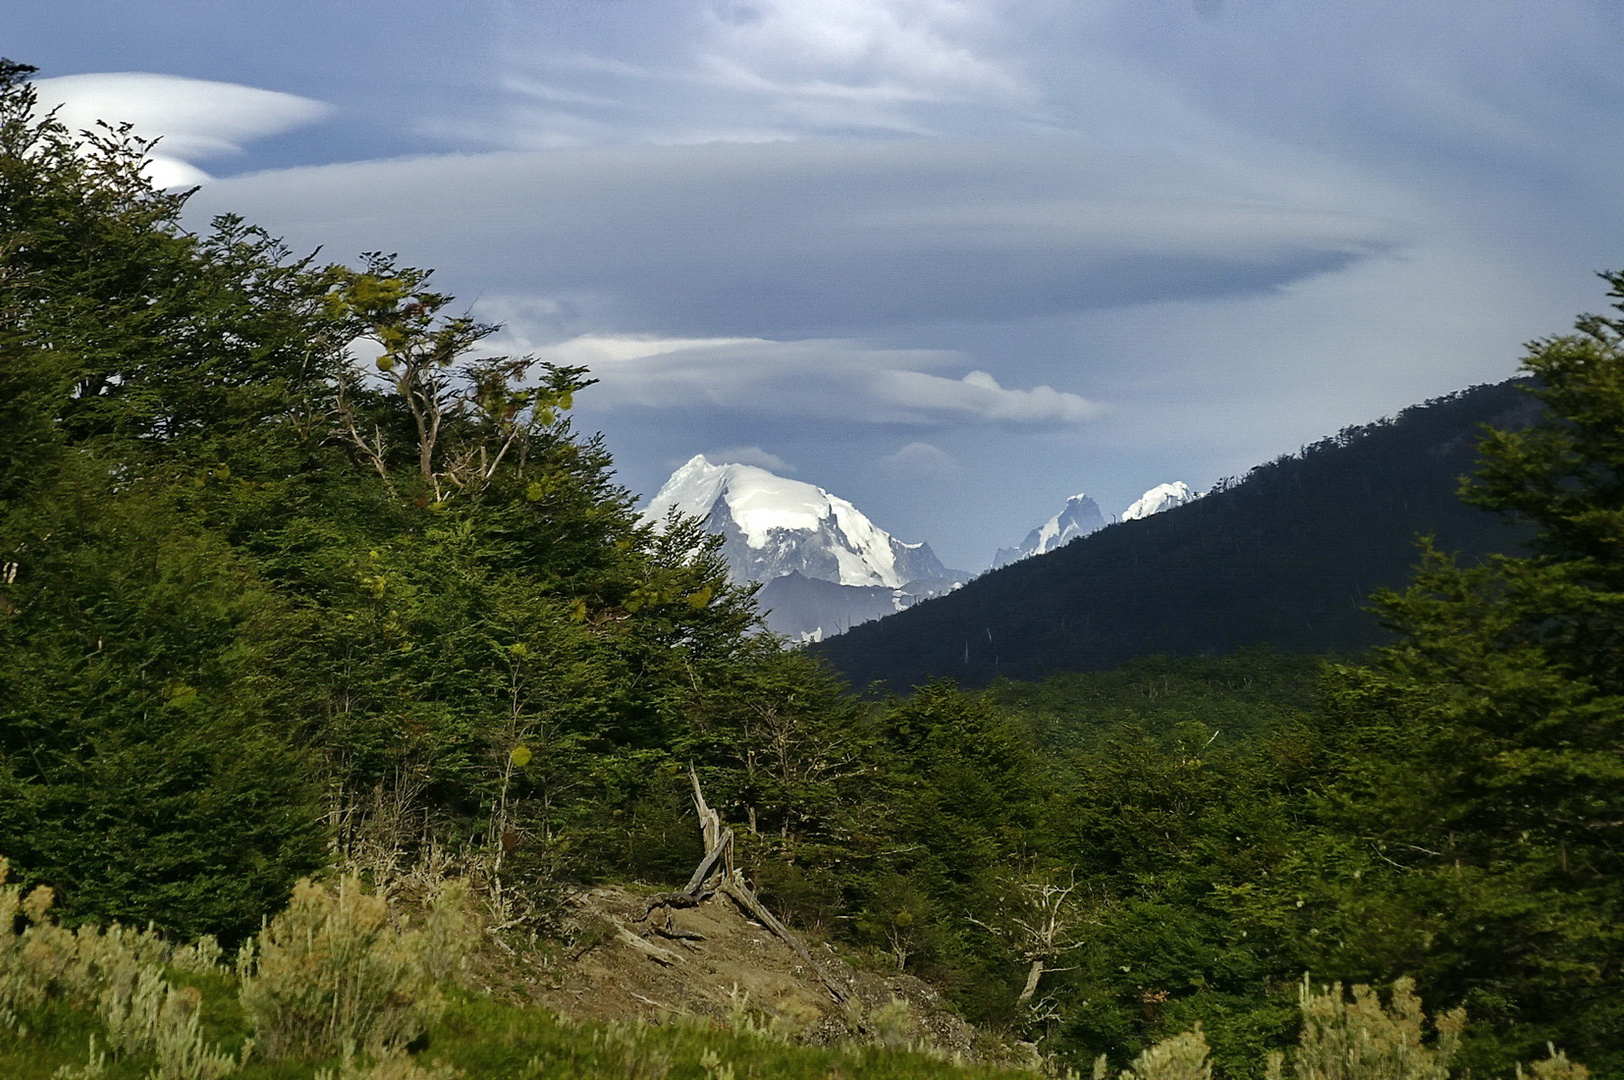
[(1287, 556)]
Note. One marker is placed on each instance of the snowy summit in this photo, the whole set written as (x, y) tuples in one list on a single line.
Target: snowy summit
[(1080, 517), (774, 526), (1159, 498)]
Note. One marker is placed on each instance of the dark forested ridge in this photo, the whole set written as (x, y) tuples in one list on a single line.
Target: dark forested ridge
[(1288, 556)]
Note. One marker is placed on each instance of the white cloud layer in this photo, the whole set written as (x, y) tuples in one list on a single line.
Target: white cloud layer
[(755, 70), (745, 455), (196, 120), (838, 379)]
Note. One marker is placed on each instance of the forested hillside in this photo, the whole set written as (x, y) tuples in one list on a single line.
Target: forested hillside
[(1286, 556), (337, 673)]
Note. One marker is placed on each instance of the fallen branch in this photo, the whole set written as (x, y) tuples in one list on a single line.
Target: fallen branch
[(664, 957)]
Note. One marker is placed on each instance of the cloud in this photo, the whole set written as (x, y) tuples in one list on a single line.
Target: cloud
[(754, 70), (920, 461), (747, 455), (842, 380), (979, 396), (849, 63), (836, 237), (196, 120)]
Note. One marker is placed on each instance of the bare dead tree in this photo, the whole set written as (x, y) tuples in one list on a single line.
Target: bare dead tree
[(1043, 921), (717, 865)]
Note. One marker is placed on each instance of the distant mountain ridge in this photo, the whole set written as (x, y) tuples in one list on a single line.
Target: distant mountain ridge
[(789, 534), (1287, 556)]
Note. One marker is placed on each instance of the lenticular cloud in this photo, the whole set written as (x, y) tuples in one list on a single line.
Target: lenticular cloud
[(195, 119)]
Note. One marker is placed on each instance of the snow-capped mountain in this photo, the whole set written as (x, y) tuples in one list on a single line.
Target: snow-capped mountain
[(773, 527), (1159, 498), (1080, 517)]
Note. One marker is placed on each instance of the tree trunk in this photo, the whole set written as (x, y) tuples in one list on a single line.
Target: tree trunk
[(1031, 987)]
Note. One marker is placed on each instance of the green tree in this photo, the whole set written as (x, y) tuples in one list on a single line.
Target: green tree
[(1486, 786), (143, 775)]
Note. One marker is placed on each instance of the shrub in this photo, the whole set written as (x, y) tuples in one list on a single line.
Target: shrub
[(334, 974), (42, 961), (1183, 1057), (155, 1018), (1351, 1040), (391, 1066)]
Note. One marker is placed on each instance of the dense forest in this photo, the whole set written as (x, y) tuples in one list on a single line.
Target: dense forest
[(300, 589), (1286, 556)]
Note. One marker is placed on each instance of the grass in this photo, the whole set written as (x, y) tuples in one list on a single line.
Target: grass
[(483, 1039)]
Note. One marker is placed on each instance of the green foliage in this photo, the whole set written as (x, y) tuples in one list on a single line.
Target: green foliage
[(332, 973), (1486, 776), (142, 775), (1342, 1038), (246, 588)]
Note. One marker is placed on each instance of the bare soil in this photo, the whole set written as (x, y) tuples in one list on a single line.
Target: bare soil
[(712, 961)]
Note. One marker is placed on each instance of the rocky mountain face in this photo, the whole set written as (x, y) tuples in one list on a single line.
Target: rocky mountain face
[(825, 567)]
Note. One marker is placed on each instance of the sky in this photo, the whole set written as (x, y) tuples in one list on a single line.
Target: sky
[(953, 260)]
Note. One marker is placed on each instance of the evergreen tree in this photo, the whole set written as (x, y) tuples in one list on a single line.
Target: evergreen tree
[(1487, 783), (141, 773), (247, 584)]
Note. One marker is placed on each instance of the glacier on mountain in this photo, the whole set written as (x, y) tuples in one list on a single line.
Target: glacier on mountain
[(772, 526), (1080, 517), (790, 534)]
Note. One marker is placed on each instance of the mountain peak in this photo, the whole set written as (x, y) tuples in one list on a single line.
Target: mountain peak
[(1080, 517), (772, 525), (1159, 498)]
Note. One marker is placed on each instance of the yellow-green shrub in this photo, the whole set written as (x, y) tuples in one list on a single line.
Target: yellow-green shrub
[(41, 961), (391, 1066), (334, 974), (152, 1017), (1183, 1057), (1352, 1040)]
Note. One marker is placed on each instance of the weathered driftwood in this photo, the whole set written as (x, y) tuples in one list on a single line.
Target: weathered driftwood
[(674, 933), (664, 957), (718, 861)]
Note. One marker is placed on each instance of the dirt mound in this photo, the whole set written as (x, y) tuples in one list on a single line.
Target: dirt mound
[(712, 960)]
